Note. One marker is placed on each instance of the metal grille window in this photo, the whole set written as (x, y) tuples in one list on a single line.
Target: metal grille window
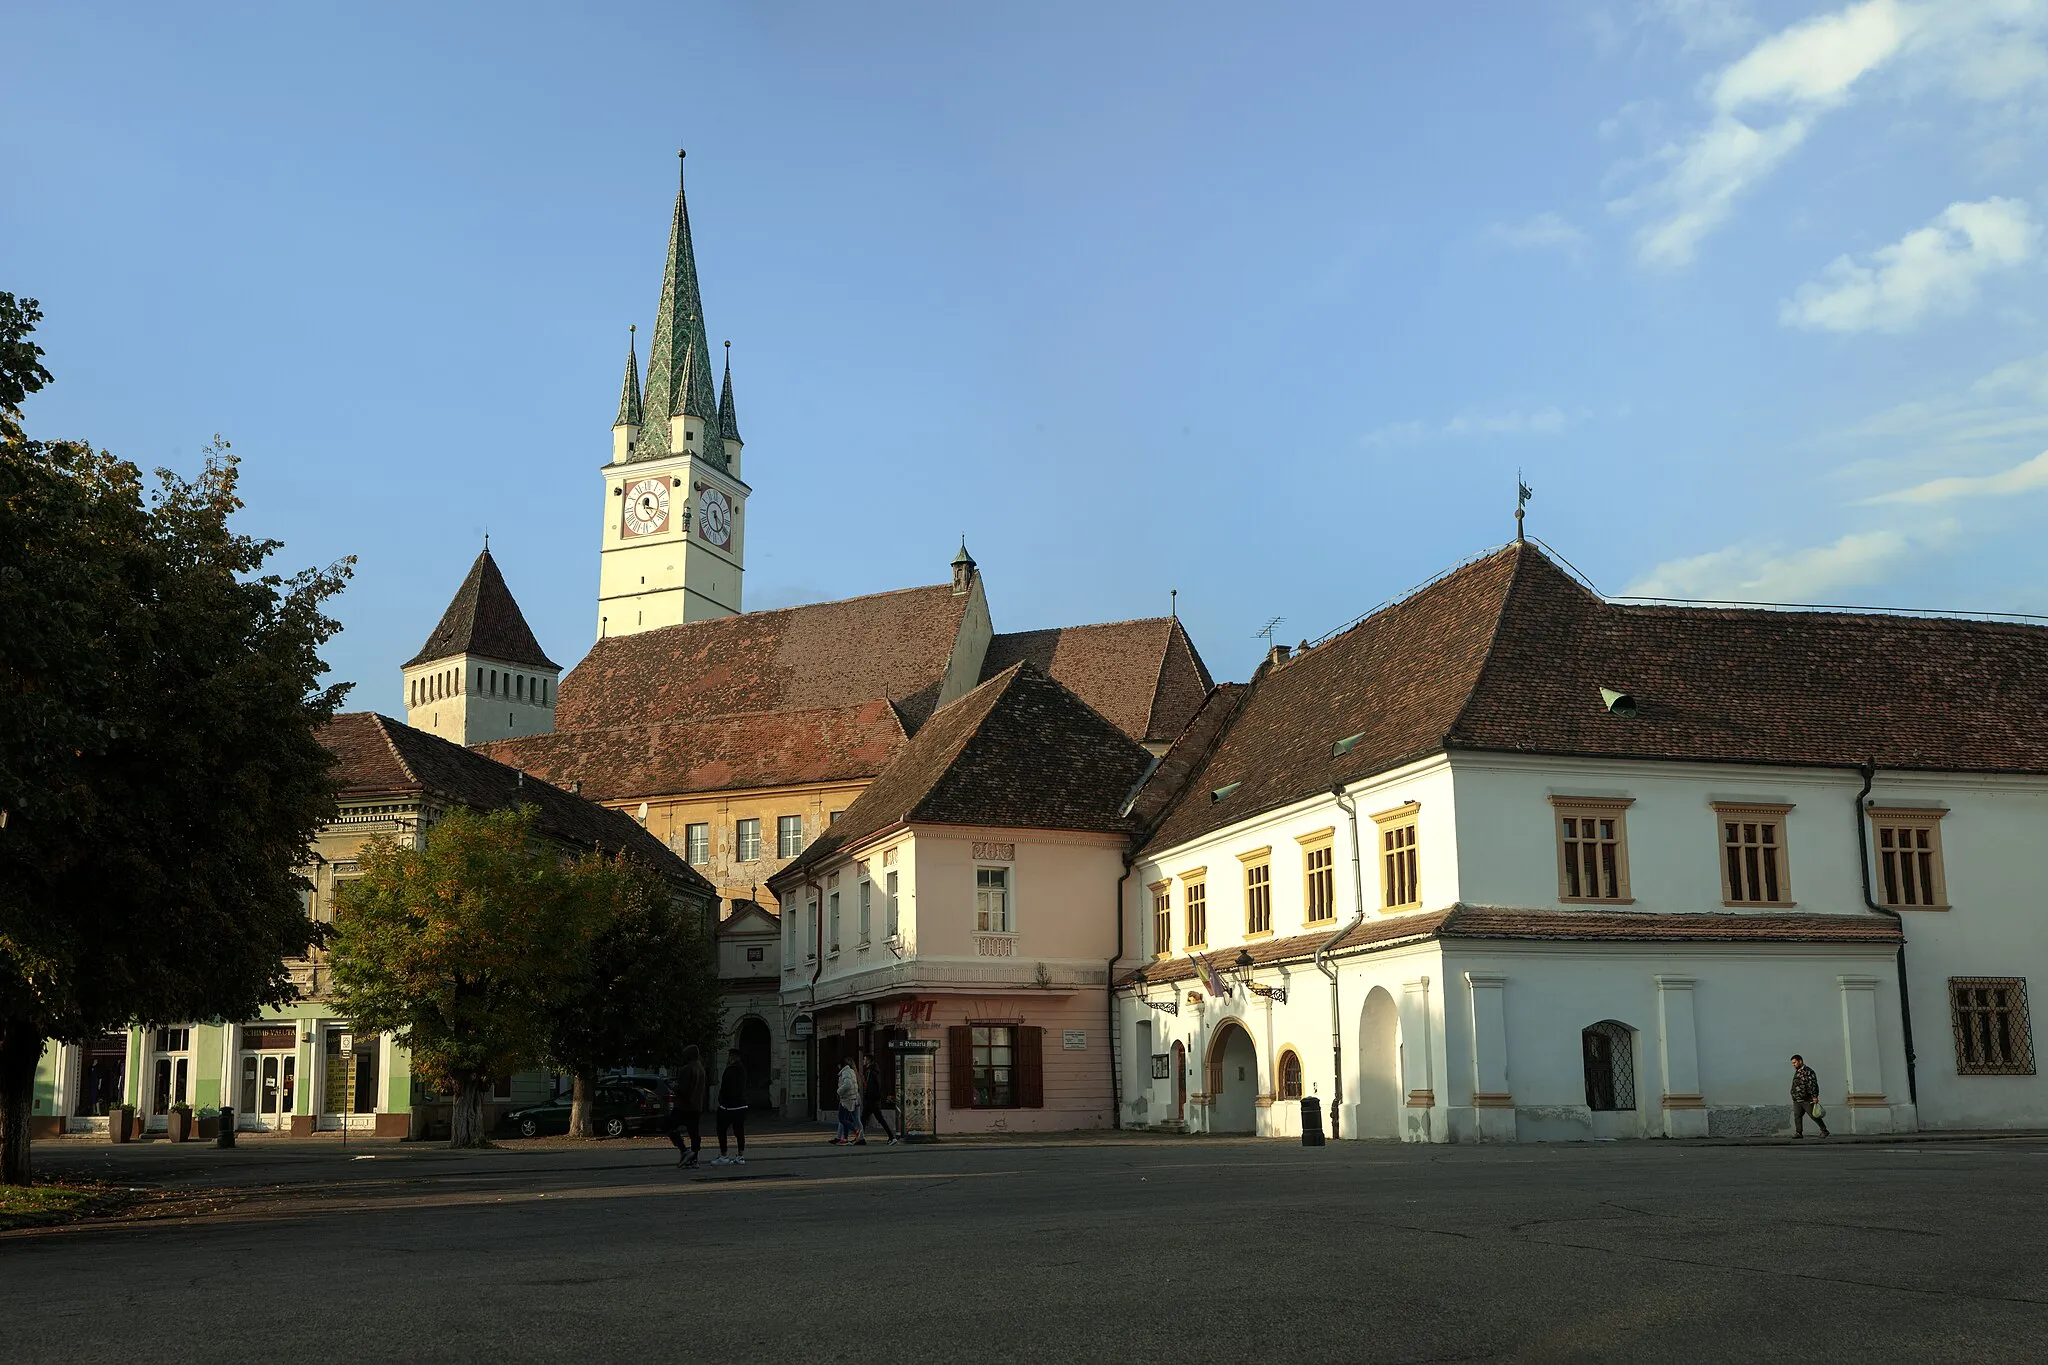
[(1753, 868), (1290, 1075), (1319, 873), (992, 900), (697, 844), (1909, 859), (1258, 898), (789, 835), (747, 840), (995, 1055), (1592, 849), (1400, 866), (1994, 1036), (1195, 896), (1162, 920), (1610, 1053)]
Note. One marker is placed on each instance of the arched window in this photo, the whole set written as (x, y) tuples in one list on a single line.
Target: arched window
[(1610, 1051), (1290, 1075)]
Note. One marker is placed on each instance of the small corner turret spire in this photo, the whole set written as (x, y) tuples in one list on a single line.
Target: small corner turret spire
[(963, 568), (728, 415), (629, 392)]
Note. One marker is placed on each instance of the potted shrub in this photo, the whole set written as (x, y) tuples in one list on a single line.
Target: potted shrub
[(208, 1123), (178, 1123), (119, 1119)]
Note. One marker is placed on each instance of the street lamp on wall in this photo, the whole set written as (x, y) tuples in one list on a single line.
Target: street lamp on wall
[(1245, 966), (1144, 985)]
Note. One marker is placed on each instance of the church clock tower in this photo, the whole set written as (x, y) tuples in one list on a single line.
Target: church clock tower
[(674, 524)]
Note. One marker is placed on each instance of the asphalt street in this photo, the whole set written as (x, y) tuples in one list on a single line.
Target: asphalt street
[(1115, 1248)]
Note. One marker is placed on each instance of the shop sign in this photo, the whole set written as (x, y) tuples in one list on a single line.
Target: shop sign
[(803, 1026)]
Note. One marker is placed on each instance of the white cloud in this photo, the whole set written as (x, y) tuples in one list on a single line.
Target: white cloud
[(1702, 23), (1544, 421), (1933, 269), (2024, 477), (1763, 106), (1749, 573), (1546, 231)]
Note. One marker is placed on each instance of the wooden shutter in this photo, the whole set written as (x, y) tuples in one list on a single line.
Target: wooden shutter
[(960, 1063), (1031, 1068)]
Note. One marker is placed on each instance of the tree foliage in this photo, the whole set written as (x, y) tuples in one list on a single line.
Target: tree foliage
[(161, 771), (644, 988)]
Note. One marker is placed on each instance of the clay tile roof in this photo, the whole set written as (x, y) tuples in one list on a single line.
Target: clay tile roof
[(1145, 676), (1020, 751), (721, 753), (378, 756), (1398, 679), (1571, 926), (826, 656), (484, 620), (1509, 653)]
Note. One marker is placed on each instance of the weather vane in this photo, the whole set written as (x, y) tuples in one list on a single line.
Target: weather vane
[(1522, 495)]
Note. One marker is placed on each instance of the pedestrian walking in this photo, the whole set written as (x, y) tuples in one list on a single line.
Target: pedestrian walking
[(685, 1106), (732, 1110), (871, 1106), (849, 1104), (1806, 1098)]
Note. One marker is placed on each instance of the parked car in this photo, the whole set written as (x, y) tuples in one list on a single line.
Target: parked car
[(661, 1086), (618, 1110)]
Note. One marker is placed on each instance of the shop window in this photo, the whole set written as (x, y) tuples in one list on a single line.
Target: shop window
[(996, 1066)]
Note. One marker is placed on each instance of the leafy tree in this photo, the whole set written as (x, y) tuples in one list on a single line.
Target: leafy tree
[(645, 987), (161, 772), (457, 946)]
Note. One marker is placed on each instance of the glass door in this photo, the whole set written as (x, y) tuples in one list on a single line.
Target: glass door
[(269, 1086)]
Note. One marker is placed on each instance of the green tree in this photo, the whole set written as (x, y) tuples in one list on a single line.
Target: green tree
[(457, 947), (645, 987), (161, 772)]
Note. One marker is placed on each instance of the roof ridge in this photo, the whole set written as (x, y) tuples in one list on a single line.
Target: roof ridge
[(1159, 677), (384, 724), (777, 611)]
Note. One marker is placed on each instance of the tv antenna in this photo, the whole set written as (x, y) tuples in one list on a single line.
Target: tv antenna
[(1265, 632)]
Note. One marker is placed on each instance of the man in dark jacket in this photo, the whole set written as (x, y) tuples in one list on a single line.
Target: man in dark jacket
[(1805, 1091), (732, 1110), (685, 1104)]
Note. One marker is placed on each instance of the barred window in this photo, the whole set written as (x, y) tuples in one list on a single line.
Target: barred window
[(1909, 859), (1290, 1075), (1258, 898), (1195, 895), (1592, 849), (1993, 1034), (1319, 881), (1753, 867), (1610, 1055), (1162, 919)]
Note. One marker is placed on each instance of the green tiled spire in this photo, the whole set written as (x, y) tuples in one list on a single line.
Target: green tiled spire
[(629, 395), (678, 369), (728, 419)]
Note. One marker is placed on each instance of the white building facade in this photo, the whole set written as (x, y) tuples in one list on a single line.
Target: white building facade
[(1553, 946)]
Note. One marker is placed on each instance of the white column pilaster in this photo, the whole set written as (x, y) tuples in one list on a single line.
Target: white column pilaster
[(1493, 1104), (1678, 1049), (1866, 1110), (1418, 1061)]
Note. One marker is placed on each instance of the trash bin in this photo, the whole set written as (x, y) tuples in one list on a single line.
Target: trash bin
[(1311, 1121), (225, 1137)]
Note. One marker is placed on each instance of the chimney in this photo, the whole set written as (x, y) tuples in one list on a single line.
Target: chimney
[(1280, 654)]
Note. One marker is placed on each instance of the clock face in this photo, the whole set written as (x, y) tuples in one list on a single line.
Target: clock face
[(714, 517), (646, 509)]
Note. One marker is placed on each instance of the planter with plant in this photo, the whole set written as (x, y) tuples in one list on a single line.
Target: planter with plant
[(178, 1123)]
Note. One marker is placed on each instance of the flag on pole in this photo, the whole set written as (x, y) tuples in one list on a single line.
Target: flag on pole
[(1211, 982)]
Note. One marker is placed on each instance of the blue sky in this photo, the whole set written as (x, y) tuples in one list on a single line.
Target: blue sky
[(1269, 308)]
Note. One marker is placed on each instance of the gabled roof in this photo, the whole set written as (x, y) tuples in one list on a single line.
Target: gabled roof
[(1020, 751), (719, 753), (825, 656), (1508, 654), (485, 621), (750, 917), (377, 756), (1145, 676)]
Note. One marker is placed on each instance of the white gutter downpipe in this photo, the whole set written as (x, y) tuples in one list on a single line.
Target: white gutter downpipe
[(1336, 1011)]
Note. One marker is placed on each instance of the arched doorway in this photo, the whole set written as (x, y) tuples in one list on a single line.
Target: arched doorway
[(1379, 1067), (1609, 1051), (757, 1055), (1180, 1082), (1233, 1080)]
